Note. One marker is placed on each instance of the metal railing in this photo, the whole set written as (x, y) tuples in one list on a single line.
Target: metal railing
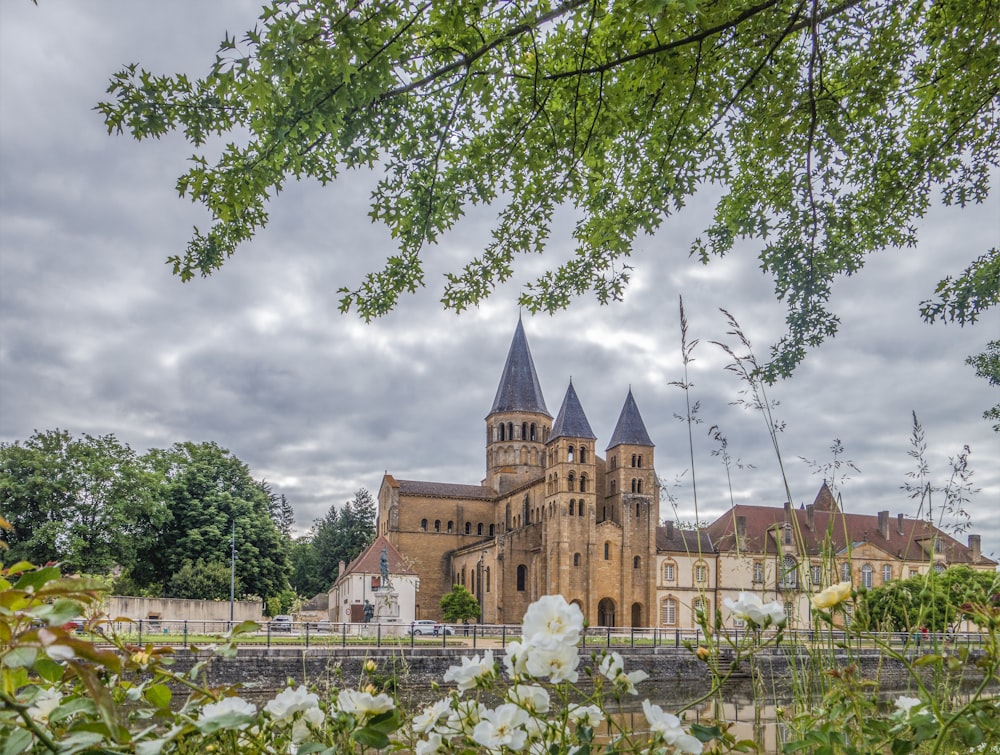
[(396, 635)]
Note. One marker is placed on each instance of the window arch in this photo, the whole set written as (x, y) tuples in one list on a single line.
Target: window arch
[(866, 575), (572, 507), (571, 453), (524, 431), (468, 528), (638, 486), (491, 530), (532, 431), (423, 525), (633, 459), (701, 572), (522, 577), (510, 431), (633, 484), (789, 572), (640, 462), (576, 559), (607, 551), (503, 431), (614, 486), (636, 562), (668, 612), (583, 454), (886, 573), (637, 511), (583, 483), (451, 525), (669, 571), (571, 482), (479, 529), (579, 508), (437, 525)]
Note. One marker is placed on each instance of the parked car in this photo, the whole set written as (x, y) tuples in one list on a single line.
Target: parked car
[(281, 623), (429, 626), (319, 626)]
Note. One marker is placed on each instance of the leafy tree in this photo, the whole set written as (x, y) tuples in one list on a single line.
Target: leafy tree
[(459, 605), (987, 366), (280, 509), (201, 580), (341, 535), (933, 600), (207, 491), (88, 502), (305, 577), (828, 126)]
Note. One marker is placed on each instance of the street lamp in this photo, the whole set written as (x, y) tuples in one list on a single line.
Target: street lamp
[(232, 577), (479, 584)]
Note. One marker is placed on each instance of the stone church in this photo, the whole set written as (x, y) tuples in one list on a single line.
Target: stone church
[(551, 516)]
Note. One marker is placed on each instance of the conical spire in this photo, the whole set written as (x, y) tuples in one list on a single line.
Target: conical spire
[(630, 429), (519, 390), (571, 422)]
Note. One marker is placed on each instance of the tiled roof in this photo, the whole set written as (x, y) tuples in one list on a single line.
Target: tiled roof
[(571, 422), (519, 390), (630, 429), (445, 490), (674, 539), (906, 539), (370, 560)]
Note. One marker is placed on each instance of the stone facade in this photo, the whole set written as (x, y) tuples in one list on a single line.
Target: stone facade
[(554, 516)]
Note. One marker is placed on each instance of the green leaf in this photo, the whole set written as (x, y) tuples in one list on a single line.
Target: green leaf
[(49, 670), (159, 695), (32, 581), (370, 737), (22, 656), (17, 742)]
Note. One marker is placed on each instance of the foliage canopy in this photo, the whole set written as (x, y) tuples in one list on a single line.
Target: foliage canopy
[(829, 128), (459, 604)]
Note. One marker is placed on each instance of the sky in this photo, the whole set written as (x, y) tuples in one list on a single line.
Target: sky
[(97, 336)]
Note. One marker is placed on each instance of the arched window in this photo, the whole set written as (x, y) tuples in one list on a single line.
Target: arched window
[(845, 572), (886, 573), (491, 530), (607, 551), (463, 575), (583, 454), (576, 559), (636, 562), (423, 525), (614, 486), (571, 482), (583, 483), (701, 572), (510, 431), (579, 508), (633, 460), (638, 486), (437, 525), (570, 453), (451, 525), (479, 529), (614, 462), (503, 431), (637, 513), (789, 572), (532, 431), (522, 576), (866, 575), (669, 572), (468, 528), (572, 506), (524, 431), (633, 484), (640, 461), (668, 612)]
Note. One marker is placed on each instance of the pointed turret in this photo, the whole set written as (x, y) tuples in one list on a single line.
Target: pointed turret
[(630, 430), (519, 423), (519, 390), (571, 422)]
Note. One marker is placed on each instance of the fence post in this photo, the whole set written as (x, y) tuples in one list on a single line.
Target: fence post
[(269, 635), (503, 635), (378, 635), (473, 636), (140, 633), (307, 634), (343, 634), (185, 632)]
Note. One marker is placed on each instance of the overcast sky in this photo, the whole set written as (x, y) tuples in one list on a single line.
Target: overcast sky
[(98, 337)]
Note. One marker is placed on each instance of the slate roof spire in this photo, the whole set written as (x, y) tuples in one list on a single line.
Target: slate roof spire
[(571, 422), (519, 390), (630, 429)]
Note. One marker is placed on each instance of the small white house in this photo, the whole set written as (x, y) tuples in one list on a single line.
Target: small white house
[(380, 580)]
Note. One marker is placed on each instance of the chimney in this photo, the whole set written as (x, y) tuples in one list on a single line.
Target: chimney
[(788, 511), (976, 546), (670, 530), (741, 526), (811, 516), (883, 524), (899, 523)]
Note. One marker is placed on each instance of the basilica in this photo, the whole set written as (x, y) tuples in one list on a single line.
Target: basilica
[(553, 515)]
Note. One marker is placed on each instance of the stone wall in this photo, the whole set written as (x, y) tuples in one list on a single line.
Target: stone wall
[(178, 609)]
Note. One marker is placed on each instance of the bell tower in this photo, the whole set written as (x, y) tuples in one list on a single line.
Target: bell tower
[(518, 424)]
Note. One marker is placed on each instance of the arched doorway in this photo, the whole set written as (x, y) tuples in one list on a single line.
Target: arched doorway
[(606, 613), (637, 614)]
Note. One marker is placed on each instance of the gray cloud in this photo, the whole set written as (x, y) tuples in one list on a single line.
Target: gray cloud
[(98, 337)]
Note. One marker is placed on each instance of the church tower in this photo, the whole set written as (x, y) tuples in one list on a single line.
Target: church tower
[(570, 497), (518, 424), (633, 503)]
